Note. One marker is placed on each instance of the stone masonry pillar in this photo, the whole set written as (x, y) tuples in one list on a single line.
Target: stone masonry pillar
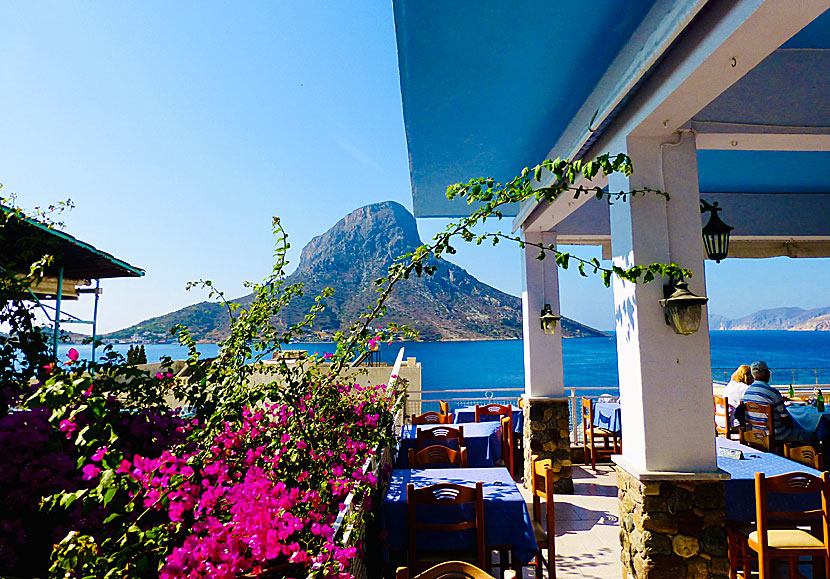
[(671, 492), (546, 432), (547, 435), (672, 529)]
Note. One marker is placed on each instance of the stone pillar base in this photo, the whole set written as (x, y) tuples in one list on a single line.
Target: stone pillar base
[(547, 435), (672, 529)]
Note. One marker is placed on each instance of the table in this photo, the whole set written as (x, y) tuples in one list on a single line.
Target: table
[(607, 415), (811, 420), (740, 490), (506, 520), (468, 414), (482, 439)]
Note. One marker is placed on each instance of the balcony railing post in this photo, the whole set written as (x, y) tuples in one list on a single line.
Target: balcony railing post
[(574, 427)]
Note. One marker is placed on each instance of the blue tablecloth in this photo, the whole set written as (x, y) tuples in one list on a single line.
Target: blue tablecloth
[(811, 420), (607, 415), (468, 414), (506, 520), (740, 490), (483, 442)]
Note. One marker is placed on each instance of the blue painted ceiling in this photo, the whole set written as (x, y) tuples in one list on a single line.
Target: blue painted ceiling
[(764, 171), (478, 74)]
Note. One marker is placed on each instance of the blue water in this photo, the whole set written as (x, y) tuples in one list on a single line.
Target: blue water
[(589, 362)]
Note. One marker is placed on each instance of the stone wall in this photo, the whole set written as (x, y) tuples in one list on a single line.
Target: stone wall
[(547, 435), (672, 529)]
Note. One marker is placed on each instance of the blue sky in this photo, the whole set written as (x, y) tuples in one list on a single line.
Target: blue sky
[(180, 128)]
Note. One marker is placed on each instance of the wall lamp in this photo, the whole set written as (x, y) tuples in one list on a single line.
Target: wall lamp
[(548, 320), (682, 307), (715, 233)]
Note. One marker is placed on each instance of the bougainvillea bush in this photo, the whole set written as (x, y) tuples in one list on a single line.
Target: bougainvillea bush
[(257, 495), (102, 478)]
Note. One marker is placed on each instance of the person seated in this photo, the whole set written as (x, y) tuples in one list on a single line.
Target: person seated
[(760, 392), (734, 391)]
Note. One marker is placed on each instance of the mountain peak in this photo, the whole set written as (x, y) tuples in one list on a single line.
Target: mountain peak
[(383, 230), (358, 249)]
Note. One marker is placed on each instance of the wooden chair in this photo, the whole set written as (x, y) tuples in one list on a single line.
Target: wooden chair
[(439, 435), (592, 434), (806, 455), (759, 416), (438, 457), (447, 495), (757, 439), (722, 411), (431, 418), (452, 570), (790, 543), (541, 485), (444, 408), (506, 430)]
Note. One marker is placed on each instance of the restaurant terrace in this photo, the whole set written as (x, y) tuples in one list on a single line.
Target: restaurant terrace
[(725, 105)]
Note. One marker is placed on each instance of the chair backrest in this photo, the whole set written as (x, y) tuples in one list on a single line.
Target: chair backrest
[(452, 570), (587, 415), (492, 410), (722, 412), (444, 407), (757, 439), (759, 417), (541, 487), (806, 455), (431, 418), (437, 457), (448, 495), (437, 435), (790, 483)]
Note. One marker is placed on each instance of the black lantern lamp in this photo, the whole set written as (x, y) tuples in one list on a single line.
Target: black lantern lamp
[(715, 233), (548, 320), (682, 308)]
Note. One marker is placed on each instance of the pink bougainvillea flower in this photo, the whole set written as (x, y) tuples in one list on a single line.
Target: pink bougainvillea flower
[(372, 344), (159, 375), (99, 454), (68, 427), (88, 391), (73, 354), (168, 375), (124, 467), (90, 472), (328, 355)]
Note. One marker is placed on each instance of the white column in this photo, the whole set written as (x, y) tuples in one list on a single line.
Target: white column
[(665, 378), (542, 352)]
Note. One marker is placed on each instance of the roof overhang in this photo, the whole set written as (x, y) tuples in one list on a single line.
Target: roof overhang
[(489, 87), (79, 260)]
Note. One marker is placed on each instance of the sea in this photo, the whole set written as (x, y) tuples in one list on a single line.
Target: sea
[(495, 369)]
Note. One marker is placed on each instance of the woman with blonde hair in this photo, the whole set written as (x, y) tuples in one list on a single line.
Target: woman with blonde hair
[(734, 391)]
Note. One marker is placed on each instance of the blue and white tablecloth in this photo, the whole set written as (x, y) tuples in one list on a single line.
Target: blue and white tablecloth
[(607, 415), (811, 420), (468, 414), (482, 439), (506, 519), (740, 490)]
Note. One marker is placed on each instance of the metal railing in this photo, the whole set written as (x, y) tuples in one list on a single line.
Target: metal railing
[(784, 376), (804, 381), (421, 401)]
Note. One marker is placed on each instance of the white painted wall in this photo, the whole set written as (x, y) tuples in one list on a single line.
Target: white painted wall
[(542, 352), (665, 378)]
